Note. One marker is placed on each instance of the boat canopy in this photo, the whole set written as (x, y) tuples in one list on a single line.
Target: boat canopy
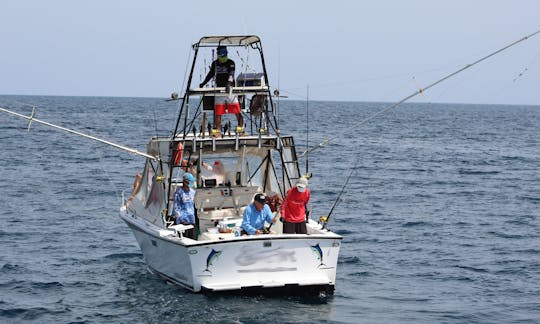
[(242, 40)]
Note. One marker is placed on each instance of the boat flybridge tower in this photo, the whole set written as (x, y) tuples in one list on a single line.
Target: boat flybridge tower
[(252, 79), (255, 157)]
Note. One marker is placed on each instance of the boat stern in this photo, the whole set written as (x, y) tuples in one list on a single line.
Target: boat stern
[(292, 263)]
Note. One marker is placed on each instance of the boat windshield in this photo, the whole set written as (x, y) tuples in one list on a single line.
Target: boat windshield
[(226, 169)]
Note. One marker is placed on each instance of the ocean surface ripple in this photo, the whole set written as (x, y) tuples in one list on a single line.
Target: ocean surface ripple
[(441, 219)]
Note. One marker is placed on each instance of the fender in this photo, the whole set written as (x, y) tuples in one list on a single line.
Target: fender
[(178, 154)]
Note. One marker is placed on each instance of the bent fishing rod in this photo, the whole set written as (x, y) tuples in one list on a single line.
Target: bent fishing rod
[(118, 146), (326, 218), (421, 90)]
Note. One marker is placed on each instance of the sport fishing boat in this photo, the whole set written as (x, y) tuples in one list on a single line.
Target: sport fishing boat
[(231, 165), (254, 158)]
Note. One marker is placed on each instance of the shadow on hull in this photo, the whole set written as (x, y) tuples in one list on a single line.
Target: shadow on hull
[(287, 290)]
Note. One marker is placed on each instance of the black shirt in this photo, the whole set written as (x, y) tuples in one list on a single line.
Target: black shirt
[(224, 73)]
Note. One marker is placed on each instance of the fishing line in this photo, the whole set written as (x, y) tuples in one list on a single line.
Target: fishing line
[(520, 74), (102, 165), (35, 120), (186, 68), (506, 87), (307, 129), (421, 90), (24, 104), (526, 68), (41, 175), (278, 81), (183, 83), (155, 121), (350, 83), (326, 219)]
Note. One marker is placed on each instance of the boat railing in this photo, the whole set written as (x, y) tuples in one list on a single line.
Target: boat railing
[(222, 91), (123, 197)]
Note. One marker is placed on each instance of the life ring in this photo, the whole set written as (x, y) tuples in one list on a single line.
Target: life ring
[(178, 154)]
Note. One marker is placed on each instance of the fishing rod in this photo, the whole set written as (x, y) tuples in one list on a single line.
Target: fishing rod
[(35, 120), (326, 218), (421, 90)]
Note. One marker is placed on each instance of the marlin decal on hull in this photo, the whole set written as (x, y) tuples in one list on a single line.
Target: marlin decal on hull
[(317, 249), (210, 259)]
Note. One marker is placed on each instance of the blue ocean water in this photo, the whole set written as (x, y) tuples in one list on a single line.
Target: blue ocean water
[(441, 218)]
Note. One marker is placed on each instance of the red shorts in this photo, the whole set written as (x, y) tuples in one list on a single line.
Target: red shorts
[(222, 106)]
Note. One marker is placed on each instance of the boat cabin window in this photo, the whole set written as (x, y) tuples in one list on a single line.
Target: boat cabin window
[(225, 169)]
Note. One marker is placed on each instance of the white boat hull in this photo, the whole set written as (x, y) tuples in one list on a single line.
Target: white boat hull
[(245, 263)]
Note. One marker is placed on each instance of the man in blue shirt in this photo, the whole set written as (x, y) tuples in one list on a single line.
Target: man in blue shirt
[(256, 214), (184, 206)]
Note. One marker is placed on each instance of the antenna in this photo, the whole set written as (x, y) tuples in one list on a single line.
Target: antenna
[(307, 130)]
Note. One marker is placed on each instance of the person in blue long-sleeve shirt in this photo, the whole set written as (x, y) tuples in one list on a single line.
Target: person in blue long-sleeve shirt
[(184, 206), (256, 214)]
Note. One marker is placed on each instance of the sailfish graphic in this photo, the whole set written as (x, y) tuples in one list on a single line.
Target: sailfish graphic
[(317, 249), (210, 259)]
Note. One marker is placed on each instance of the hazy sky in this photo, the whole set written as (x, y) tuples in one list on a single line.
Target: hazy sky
[(344, 50)]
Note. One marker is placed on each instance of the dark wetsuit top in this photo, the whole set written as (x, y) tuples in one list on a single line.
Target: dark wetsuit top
[(224, 73)]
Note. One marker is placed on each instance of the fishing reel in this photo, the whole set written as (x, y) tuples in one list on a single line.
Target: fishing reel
[(323, 220)]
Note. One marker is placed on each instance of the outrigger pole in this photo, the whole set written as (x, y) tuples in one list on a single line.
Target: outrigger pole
[(421, 90), (326, 218), (35, 120)]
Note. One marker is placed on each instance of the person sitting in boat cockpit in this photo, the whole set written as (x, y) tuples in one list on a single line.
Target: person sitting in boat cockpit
[(256, 214), (191, 179), (218, 172), (223, 70), (184, 206)]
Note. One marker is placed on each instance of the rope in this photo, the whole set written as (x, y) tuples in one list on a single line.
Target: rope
[(421, 90)]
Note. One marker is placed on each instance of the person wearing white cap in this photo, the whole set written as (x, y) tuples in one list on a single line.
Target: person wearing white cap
[(293, 209), (256, 214)]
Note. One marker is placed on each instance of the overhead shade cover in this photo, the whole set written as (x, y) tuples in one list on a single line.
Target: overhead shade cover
[(242, 40)]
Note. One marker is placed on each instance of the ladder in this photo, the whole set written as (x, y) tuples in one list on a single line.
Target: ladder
[(289, 158)]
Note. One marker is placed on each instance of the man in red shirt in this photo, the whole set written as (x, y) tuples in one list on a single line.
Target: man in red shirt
[(293, 209)]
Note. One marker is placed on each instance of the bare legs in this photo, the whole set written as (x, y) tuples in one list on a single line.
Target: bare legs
[(217, 123)]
